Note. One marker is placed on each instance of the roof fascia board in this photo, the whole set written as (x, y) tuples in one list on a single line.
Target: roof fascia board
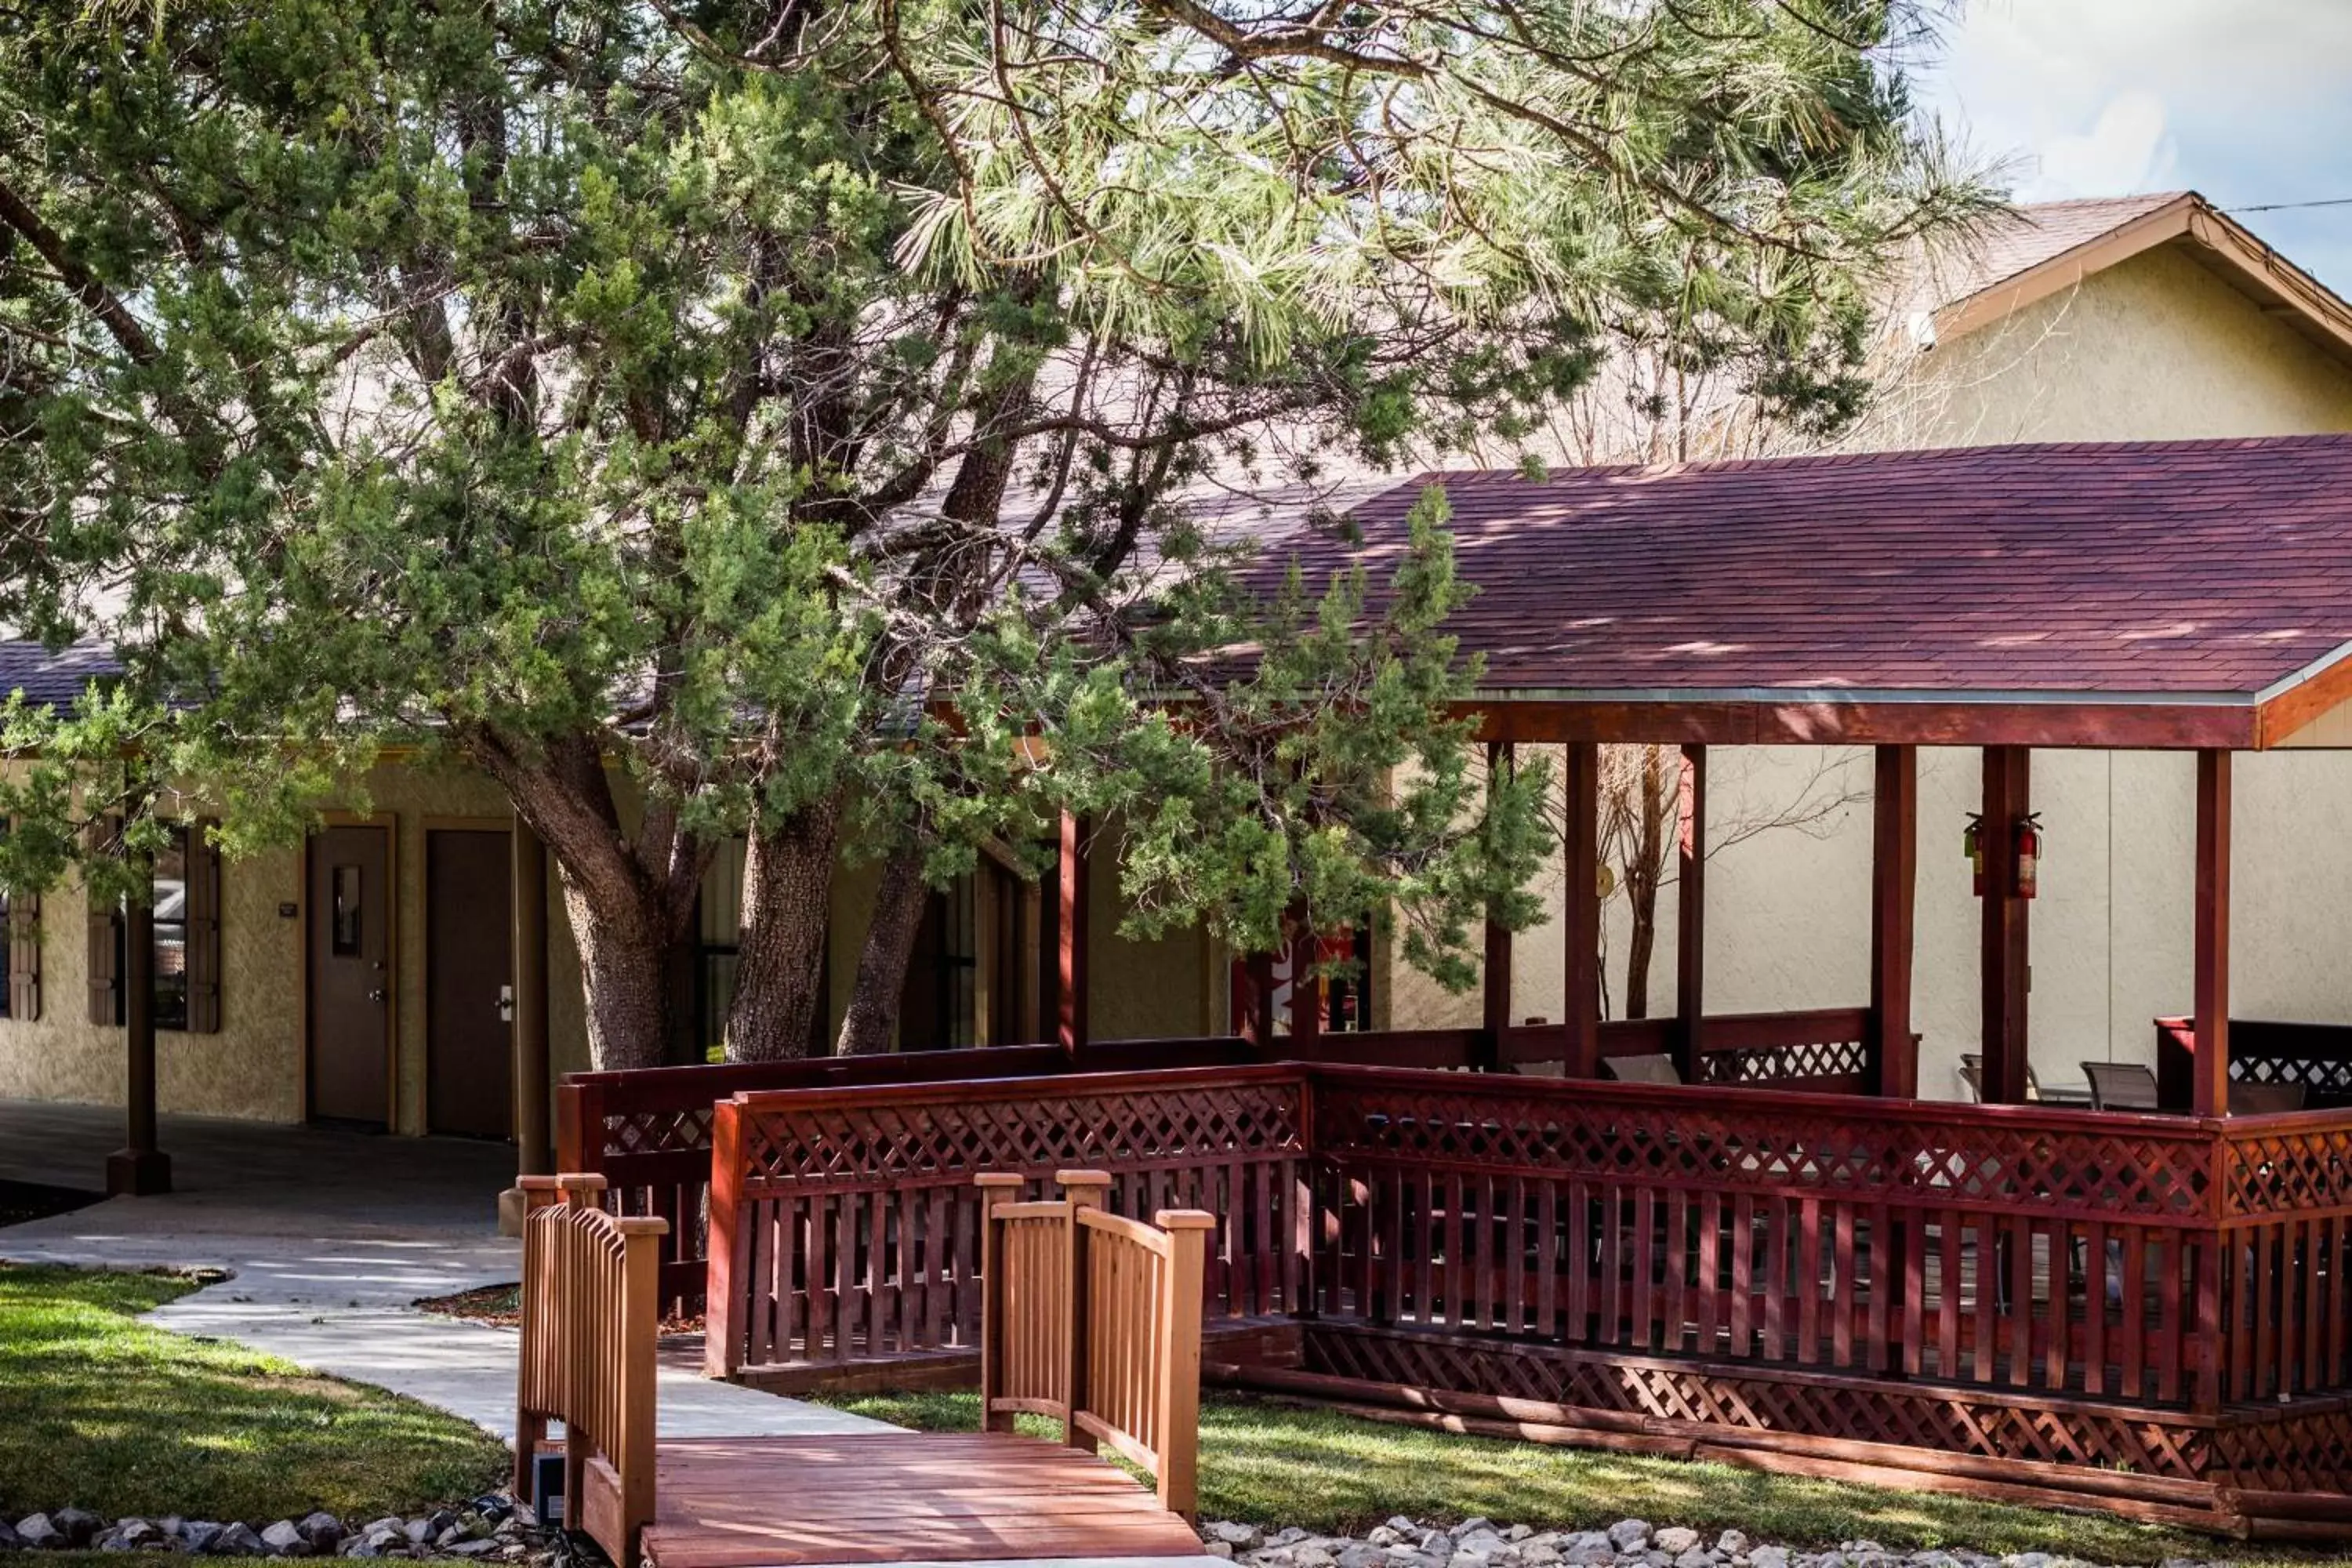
[(2065, 269), (2149, 724), (2287, 705), (2318, 312)]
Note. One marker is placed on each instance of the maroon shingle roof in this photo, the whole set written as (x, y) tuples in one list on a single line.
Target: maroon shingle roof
[(2038, 231), (2191, 569)]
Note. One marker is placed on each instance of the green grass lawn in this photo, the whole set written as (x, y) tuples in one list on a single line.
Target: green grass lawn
[(1274, 1464), (102, 1413)]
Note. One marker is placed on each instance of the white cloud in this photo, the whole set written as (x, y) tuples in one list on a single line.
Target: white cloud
[(2125, 150), (2246, 101)]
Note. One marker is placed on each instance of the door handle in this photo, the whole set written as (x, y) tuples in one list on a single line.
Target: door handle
[(506, 1003), (376, 995)]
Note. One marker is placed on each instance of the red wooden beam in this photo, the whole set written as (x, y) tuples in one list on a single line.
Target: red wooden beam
[(1496, 978), (2210, 1082), (1580, 909), (1075, 901), (1893, 883), (1690, 914), (2005, 965), (2156, 725)]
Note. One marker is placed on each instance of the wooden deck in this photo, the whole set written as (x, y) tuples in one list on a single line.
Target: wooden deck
[(770, 1502)]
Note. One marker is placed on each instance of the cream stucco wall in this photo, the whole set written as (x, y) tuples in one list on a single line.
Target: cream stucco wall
[(2155, 348), (254, 1065)]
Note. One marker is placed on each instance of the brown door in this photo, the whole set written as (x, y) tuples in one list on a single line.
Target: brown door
[(350, 941), (469, 1063)]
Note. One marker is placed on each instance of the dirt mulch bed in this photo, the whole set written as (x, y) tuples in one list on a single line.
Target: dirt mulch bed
[(502, 1307), (23, 1201)]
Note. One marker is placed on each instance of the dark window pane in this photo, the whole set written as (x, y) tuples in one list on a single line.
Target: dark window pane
[(345, 924)]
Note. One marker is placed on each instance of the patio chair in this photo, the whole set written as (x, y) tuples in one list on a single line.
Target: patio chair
[(2265, 1098), (1972, 1074), (2121, 1086), (1642, 1069)]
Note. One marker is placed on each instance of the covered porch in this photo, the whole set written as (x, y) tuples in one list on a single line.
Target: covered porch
[(1772, 1252)]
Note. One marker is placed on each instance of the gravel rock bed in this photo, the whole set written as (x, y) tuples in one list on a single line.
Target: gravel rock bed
[(488, 1528), (1630, 1543)]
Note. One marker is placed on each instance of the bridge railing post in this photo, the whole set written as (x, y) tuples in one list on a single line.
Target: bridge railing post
[(1179, 1392), (995, 1187)]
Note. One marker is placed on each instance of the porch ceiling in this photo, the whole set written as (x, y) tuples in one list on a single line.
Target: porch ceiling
[(2144, 594)]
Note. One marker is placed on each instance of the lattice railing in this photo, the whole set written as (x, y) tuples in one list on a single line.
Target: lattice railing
[(2004, 1245), (855, 1225)]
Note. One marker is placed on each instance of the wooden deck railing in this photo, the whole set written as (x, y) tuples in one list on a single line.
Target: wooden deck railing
[(1095, 1320), (2011, 1287), (589, 1317), (648, 1131), (855, 1226)]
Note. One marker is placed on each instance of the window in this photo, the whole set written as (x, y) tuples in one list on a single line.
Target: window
[(717, 943), (186, 905), (170, 884), (938, 1010)]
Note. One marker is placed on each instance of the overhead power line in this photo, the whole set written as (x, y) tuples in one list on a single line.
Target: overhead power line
[(2293, 207)]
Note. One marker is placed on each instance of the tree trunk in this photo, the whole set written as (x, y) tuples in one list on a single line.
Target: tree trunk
[(1643, 870), (622, 969), (872, 1020), (787, 894)]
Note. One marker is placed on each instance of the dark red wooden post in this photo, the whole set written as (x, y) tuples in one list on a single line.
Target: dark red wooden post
[(2007, 796), (1497, 977), (1893, 1067), (1690, 914), (1071, 993), (1580, 909), (2211, 1069), (724, 1322), (1258, 1018)]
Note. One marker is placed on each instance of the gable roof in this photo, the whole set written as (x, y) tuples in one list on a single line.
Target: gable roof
[(2053, 246), (2161, 594), (52, 678)]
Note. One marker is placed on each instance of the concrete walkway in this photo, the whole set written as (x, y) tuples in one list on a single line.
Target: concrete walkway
[(329, 1236)]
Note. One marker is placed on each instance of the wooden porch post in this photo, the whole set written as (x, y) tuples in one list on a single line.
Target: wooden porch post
[(1690, 914), (1580, 909), (1075, 899), (2007, 795), (527, 857), (1496, 976), (2212, 1084), (1893, 1069), (138, 1169)]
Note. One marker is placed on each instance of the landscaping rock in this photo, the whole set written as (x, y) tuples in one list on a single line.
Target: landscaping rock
[(1240, 1537), (1213, 1548), (197, 1535), (360, 1546), (237, 1540), (79, 1527), (1768, 1557), (9, 1539), (40, 1530), (1675, 1539), (1629, 1534), (1695, 1557), (322, 1529), (284, 1539), (1731, 1543), (477, 1548)]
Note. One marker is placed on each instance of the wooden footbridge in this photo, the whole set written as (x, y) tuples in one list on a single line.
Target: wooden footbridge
[(1087, 1318)]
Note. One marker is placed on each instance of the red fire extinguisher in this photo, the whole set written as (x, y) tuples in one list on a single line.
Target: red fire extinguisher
[(1972, 846), (2029, 854)]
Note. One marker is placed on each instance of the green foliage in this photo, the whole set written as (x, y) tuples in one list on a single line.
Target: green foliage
[(773, 404), (108, 1415)]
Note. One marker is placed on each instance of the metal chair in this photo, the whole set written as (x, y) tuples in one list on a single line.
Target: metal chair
[(2121, 1086), (1972, 1074), (1642, 1069)]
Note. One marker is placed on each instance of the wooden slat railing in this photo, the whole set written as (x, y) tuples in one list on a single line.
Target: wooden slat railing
[(1095, 1320), (855, 1225), (2003, 1246), (648, 1131), (589, 1320)]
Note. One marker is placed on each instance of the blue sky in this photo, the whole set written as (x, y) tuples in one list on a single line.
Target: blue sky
[(2248, 101)]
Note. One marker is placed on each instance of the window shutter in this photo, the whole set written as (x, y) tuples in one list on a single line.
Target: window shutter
[(24, 957), (102, 919), (204, 872)]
